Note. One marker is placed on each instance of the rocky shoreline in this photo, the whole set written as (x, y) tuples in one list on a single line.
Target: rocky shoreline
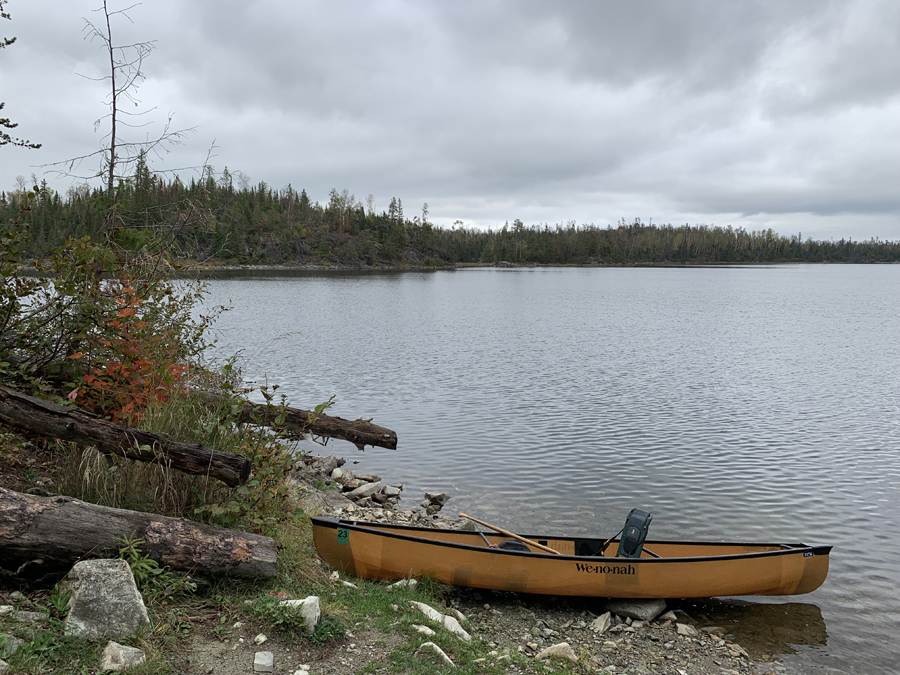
[(638, 637)]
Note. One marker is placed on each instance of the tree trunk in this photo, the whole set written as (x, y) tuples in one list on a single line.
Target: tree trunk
[(358, 432), (72, 424), (42, 537)]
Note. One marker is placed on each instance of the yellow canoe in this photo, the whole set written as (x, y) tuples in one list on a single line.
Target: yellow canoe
[(463, 558)]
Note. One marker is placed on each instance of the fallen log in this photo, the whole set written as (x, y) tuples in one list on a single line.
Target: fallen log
[(359, 432), (42, 537), (72, 424)]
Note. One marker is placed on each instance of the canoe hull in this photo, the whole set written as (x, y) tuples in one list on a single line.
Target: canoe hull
[(377, 551)]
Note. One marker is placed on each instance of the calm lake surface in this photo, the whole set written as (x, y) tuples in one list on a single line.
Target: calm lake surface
[(735, 404)]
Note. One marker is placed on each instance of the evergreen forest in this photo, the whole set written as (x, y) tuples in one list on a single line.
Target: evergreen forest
[(214, 221)]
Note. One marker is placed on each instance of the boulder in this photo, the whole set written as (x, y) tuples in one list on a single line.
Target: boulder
[(365, 490), (392, 491), (105, 601), (119, 657), (437, 498), (425, 630), (643, 610), (559, 651), (325, 465)]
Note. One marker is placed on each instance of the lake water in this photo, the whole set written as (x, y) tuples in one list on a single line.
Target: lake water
[(752, 403)]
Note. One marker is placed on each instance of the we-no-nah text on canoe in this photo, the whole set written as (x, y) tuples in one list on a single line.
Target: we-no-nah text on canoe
[(605, 569)]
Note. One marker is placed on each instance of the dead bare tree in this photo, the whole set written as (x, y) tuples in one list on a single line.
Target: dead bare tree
[(119, 156)]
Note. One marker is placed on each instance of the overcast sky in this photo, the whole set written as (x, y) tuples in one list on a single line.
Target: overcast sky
[(782, 113)]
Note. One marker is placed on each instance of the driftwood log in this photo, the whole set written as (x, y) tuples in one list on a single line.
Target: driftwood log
[(359, 432), (72, 424), (42, 537)]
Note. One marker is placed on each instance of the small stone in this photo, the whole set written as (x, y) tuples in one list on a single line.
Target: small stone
[(391, 491), (237, 624), (601, 624), (637, 624), (425, 646), (4, 667), (105, 601), (259, 639), (16, 596), (9, 644), (118, 657), (642, 610), (337, 474), (668, 616), (310, 610), (437, 498), (404, 583), (685, 629), (558, 651), (425, 630), (264, 662), (349, 585)]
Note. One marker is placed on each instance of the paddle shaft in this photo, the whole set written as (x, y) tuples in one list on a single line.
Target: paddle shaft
[(510, 534)]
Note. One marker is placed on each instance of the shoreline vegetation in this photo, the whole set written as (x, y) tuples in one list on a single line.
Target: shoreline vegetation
[(105, 327), (214, 223)]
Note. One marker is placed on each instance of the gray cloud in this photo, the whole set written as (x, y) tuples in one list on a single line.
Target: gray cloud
[(757, 113)]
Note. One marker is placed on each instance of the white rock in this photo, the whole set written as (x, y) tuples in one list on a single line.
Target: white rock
[(4, 667), (300, 671), (425, 646), (459, 615), (425, 630), (264, 662), (668, 616), (685, 629), (105, 601), (237, 624), (448, 622), (309, 610), (559, 651), (119, 657), (428, 611), (405, 583), (347, 584), (259, 639), (451, 624), (337, 474), (602, 623)]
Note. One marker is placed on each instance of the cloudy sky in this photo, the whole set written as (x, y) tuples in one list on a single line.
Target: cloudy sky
[(782, 114)]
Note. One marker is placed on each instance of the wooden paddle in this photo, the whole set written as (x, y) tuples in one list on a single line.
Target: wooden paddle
[(510, 534)]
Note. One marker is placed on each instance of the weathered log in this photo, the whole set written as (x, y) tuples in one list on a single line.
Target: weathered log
[(72, 424), (42, 537), (358, 432)]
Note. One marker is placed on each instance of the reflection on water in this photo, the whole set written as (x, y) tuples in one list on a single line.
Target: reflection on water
[(765, 631), (740, 404)]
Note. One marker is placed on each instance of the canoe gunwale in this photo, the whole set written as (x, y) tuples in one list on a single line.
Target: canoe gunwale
[(363, 526)]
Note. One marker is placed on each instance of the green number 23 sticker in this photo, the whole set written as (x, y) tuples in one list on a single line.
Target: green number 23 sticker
[(343, 535)]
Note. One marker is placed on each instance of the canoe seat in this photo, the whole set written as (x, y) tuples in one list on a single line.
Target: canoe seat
[(513, 545)]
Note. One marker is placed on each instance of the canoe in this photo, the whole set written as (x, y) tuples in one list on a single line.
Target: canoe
[(462, 558)]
